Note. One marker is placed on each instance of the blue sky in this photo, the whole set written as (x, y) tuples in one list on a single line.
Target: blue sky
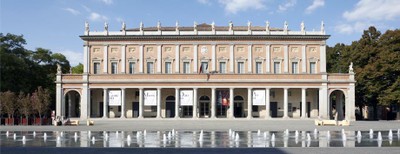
[(57, 24)]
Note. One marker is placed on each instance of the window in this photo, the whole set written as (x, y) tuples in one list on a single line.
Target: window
[(204, 67), (277, 67), (168, 68), (114, 68), (150, 68), (96, 68), (312, 68), (254, 108), (258, 67), (186, 67), (240, 68), (222, 67), (153, 108), (131, 67), (295, 68), (289, 107)]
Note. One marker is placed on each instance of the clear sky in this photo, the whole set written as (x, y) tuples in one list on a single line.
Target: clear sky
[(57, 24)]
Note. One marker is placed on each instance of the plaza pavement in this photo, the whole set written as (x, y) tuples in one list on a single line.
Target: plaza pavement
[(208, 124)]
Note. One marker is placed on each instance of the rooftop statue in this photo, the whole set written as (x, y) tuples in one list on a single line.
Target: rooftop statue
[(303, 28), (351, 68), (105, 26), (58, 68), (230, 26), (267, 26), (322, 26), (86, 26), (123, 26), (285, 26), (248, 25), (141, 26)]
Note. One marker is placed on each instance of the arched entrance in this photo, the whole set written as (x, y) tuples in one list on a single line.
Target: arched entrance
[(170, 107), (337, 106), (238, 107), (204, 107), (72, 104)]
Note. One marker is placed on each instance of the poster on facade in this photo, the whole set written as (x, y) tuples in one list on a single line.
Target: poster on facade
[(258, 97), (223, 97), (150, 98), (186, 97), (114, 97)]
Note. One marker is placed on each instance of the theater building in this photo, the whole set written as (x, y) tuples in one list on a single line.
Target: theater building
[(205, 71)]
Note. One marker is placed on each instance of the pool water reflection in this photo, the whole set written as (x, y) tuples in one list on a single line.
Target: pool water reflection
[(200, 139)]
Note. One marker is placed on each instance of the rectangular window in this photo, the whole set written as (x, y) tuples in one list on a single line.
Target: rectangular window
[(96, 68), (150, 68), (222, 67), (295, 67), (254, 108), (186, 67), (204, 67), (289, 107), (168, 68), (240, 68), (114, 68), (312, 68), (277, 67), (131, 67), (258, 67)]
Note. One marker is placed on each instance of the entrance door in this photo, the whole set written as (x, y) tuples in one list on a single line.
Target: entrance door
[(135, 109), (238, 109), (101, 109), (308, 109), (204, 109), (274, 109), (170, 107)]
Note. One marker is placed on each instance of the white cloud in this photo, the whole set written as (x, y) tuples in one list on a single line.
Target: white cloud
[(86, 8), (107, 2), (316, 4), (72, 11), (74, 57), (375, 10), (204, 1), (285, 6), (234, 6), (350, 28), (97, 17)]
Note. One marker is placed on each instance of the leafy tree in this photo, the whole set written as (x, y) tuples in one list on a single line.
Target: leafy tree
[(25, 104), (78, 69), (8, 103), (41, 101)]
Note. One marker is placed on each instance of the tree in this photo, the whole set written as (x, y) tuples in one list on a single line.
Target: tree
[(25, 104), (41, 101), (78, 69), (8, 103)]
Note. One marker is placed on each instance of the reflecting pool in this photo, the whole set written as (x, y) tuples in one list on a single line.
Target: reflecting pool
[(200, 139)]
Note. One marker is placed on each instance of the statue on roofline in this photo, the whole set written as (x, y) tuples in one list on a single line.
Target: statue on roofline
[(351, 70)]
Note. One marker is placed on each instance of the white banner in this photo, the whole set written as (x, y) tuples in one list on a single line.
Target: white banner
[(186, 97), (114, 97), (258, 97), (150, 98)]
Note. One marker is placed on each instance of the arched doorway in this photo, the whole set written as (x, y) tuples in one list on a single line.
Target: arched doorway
[(72, 104), (337, 105), (204, 107), (170, 107), (238, 107)]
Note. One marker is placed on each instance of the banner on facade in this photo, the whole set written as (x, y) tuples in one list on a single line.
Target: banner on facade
[(186, 98), (223, 97), (150, 98), (114, 97), (258, 97)]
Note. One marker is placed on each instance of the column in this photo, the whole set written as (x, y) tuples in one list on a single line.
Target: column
[(303, 103), (249, 104), (59, 99), (195, 60), (88, 103), (122, 102), (105, 57), (285, 103), (105, 102), (69, 104), (267, 59), (350, 102), (141, 58), (231, 103), (140, 103), (158, 103), (213, 59), (85, 59), (213, 102), (231, 59), (195, 99), (323, 58), (267, 104), (159, 59), (323, 101), (303, 59), (286, 60), (123, 58), (250, 59), (177, 100), (177, 59)]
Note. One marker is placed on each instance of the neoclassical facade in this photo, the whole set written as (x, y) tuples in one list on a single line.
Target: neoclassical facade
[(205, 72)]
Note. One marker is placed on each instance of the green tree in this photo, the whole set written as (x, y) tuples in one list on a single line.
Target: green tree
[(78, 69), (25, 104), (8, 103), (41, 101)]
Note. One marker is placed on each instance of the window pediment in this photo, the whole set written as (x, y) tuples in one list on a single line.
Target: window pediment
[(313, 59)]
